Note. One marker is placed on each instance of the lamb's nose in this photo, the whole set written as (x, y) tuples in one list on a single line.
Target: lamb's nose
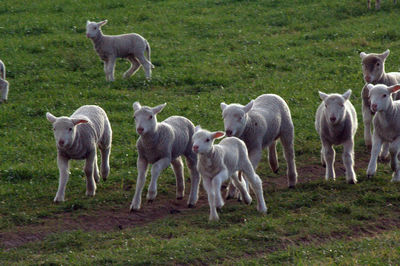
[(229, 132), (61, 143), (333, 119), (374, 106), (367, 78), (140, 130), (195, 148)]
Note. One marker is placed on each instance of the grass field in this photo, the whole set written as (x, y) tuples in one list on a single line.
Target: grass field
[(204, 52)]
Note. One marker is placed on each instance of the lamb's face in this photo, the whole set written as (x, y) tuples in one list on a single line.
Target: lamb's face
[(145, 120), (202, 141), (373, 65), (334, 108), (380, 97), (234, 116), (64, 132), (92, 29)]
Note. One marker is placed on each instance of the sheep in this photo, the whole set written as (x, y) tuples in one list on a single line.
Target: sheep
[(162, 144), (259, 124), (336, 124), (131, 46), (3, 83), (386, 127), (377, 4), (216, 163), (76, 138), (373, 67)]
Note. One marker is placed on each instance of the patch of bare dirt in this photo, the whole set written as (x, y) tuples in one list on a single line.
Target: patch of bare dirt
[(109, 219)]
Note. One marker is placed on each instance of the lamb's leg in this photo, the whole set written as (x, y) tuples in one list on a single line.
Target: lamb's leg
[(4, 92), (141, 180), (376, 147), (377, 4), (273, 158), (369, 4), (329, 159), (348, 160), (394, 152), (177, 165), (256, 185), (231, 191), (109, 66), (194, 180), (63, 167), (288, 150), (241, 186), (367, 118), (135, 65), (211, 198), (147, 66), (156, 170), (384, 154), (90, 183), (255, 156), (96, 170), (323, 162), (216, 183), (105, 162)]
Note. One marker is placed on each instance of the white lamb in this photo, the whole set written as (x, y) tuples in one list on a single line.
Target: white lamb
[(373, 67), (131, 46), (259, 124), (219, 162), (336, 124), (3, 83), (162, 144), (377, 4), (386, 126), (76, 138)]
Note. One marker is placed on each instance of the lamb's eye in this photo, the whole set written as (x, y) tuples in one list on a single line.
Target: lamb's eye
[(150, 117), (70, 129), (377, 64), (134, 117), (207, 140), (54, 128), (326, 106), (384, 96)]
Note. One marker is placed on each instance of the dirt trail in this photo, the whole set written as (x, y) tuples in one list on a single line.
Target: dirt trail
[(119, 218)]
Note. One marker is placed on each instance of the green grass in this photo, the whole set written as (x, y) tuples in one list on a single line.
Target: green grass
[(205, 52)]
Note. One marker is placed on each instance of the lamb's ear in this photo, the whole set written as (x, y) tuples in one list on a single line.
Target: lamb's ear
[(101, 23), (369, 87), (218, 134), (77, 121), (87, 22), (197, 128), (384, 55), (347, 95), (158, 108), (248, 106), (136, 106), (322, 95), (51, 117), (362, 55), (223, 106), (394, 88)]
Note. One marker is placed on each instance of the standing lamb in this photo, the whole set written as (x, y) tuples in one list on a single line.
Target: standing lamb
[(377, 4), (336, 124), (131, 46), (162, 144), (373, 67), (259, 124), (386, 126), (219, 162), (3, 83), (76, 138)]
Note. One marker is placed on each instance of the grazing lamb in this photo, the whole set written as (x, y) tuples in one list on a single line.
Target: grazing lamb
[(386, 126), (373, 66), (76, 138), (336, 124), (219, 162), (377, 4), (259, 124), (162, 144), (131, 46)]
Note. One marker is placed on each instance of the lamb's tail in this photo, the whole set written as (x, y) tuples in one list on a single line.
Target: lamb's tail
[(148, 50)]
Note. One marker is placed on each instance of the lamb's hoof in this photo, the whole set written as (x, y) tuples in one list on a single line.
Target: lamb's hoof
[(239, 199), (150, 201), (384, 159), (370, 176), (191, 206), (228, 197), (219, 209), (179, 198), (276, 170), (351, 182), (292, 186)]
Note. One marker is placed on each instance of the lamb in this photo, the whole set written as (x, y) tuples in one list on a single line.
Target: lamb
[(219, 162), (76, 138), (3, 83), (386, 126), (377, 4), (131, 46), (162, 144), (373, 66), (336, 124), (259, 124)]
